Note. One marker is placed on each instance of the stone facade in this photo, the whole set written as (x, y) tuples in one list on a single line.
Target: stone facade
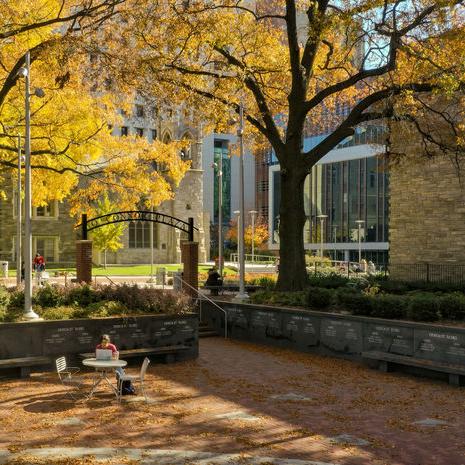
[(427, 212), (54, 235)]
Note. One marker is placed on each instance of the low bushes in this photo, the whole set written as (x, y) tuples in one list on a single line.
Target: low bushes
[(319, 297), (389, 306), (417, 306), (452, 306), (58, 303), (423, 307), (355, 301)]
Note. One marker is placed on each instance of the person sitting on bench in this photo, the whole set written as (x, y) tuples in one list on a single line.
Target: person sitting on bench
[(214, 279)]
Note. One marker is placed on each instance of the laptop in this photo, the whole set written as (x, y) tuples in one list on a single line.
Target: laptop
[(103, 354)]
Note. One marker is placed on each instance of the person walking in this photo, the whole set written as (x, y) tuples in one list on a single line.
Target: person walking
[(38, 265)]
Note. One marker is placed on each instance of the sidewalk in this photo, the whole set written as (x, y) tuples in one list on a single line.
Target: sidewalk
[(240, 404)]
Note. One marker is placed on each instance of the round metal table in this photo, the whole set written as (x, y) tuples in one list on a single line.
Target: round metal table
[(102, 367)]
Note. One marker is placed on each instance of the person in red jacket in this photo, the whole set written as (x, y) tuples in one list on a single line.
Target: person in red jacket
[(38, 265)]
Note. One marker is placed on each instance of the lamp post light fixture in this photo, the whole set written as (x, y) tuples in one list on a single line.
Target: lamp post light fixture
[(253, 213), (360, 223), (25, 73), (322, 220)]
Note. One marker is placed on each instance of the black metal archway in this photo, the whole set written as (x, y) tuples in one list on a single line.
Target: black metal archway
[(136, 215)]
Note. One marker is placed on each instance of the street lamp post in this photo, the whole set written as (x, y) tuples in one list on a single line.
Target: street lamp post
[(253, 213), (359, 223), (219, 167), (28, 312), (18, 218), (238, 213), (240, 133), (322, 220)]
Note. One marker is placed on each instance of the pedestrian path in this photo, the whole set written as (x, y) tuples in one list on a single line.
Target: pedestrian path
[(145, 457)]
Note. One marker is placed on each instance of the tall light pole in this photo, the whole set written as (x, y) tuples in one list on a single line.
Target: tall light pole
[(18, 218), (359, 223), (253, 213), (219, 167), (322, 220), (240, 134), (28, 312), (238, 213)]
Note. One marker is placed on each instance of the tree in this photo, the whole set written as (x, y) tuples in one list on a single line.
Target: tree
[(73, 152), (296, 66), (107, 237), (260, 234)]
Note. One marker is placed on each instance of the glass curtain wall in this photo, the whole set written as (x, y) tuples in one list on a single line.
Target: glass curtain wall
[(348, 191), (221, 149)]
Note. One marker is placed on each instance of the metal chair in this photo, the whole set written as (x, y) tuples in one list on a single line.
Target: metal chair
[(140, 378), (66, 375)]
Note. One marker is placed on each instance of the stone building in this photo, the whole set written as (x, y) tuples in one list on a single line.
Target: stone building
[(53, 233), (427, 205)]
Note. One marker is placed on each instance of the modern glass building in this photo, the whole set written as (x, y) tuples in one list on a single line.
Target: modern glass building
[(350, 185)]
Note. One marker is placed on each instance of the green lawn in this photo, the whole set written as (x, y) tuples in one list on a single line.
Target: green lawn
[(128, 270)]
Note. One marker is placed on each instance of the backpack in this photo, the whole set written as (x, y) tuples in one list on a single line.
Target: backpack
[(127, 389)]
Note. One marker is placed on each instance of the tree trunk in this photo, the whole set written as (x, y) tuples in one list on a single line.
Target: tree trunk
[(105, 259), (292, 270)]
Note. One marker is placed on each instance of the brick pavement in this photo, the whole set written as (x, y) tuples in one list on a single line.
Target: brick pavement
[(265, 404)]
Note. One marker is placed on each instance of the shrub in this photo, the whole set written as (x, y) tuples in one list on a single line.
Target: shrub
[(146, 299), (4, 298), (392, 287), (81, 295), (354, 301), (319, 297), (49, 296), (266, 282), (294, 299), (452, 306), (56, 313), (105, 308), (260, 297), (13, 314), (330, 281), (389, 306), (16, 299), (423, 307)]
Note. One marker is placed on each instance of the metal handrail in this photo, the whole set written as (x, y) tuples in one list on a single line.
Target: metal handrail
[(104, 276), (256, 258), (201, 297)]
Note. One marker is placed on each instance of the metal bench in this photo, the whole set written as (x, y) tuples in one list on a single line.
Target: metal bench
[(23, 365), (389, 361), (169, 352)]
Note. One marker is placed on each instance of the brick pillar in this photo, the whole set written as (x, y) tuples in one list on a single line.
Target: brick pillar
[(84, 261), (190, 259)]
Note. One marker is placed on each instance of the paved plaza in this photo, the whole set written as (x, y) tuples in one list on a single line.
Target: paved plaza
[(240, 404)]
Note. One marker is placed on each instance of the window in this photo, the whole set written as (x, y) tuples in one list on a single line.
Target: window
[(186, 154), (140, 132), (47, 211), (124, 131), (139, 235), (47, 247), (154, 134), (140, 111)]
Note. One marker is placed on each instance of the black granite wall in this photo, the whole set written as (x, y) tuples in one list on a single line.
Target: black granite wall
[(71, 337), (334, 334)]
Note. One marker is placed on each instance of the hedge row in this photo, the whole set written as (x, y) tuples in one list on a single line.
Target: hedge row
[(58, 302), (416, 306)]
